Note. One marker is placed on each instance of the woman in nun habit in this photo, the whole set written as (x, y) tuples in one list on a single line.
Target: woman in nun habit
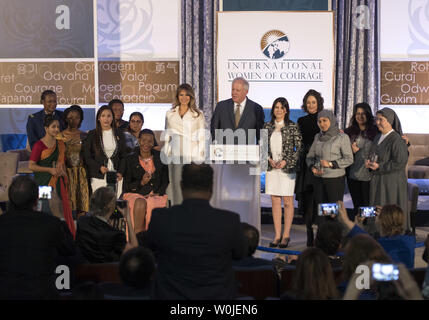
[(388, 158)]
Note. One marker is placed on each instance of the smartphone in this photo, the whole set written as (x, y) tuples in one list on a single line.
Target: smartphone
[(367, 212), (327, 209), (385, 272), (45, 192)]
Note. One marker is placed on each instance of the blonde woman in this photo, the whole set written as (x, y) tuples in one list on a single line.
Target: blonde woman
[(184, 138)]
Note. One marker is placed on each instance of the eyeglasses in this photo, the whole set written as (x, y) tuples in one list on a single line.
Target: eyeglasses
[(135, 121)]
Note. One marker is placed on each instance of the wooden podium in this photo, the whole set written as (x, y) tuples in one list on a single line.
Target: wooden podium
[(237, 181)]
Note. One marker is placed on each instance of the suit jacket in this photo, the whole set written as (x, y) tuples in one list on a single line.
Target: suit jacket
[(223, 118), (135, 172), (98, 241), (35, 128), (195, 244), (95, 158), (30, 243)]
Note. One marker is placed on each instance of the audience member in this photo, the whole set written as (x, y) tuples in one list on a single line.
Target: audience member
[(136, 269), (35, 122), (76, 172), (30, 243), (118, 110), (96, 238), (313, 278), (312, 104), (195, 243), (362, 131), (359, 250), (390, 225), (47, 160), (328, 239), (252, 235), (146, 181), (404, 288), (104, 151)]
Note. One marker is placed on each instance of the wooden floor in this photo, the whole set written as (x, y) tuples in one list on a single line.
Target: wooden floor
[(299, 240)]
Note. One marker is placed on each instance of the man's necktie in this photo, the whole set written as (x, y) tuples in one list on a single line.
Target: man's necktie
[(237, 115)]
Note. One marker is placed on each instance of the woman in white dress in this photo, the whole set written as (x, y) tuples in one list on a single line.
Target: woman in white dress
[(184, 138), (284, 146), (104, 151)]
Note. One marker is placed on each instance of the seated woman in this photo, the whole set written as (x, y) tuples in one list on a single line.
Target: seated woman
[(313, 278), (96, 238), (390, 224), (146, 180), (47, 161)]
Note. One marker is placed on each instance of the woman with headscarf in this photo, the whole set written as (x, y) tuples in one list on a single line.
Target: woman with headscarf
[(329, 156), (387, 160)]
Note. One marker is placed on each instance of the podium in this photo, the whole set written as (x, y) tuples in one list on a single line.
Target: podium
[(237, 181)]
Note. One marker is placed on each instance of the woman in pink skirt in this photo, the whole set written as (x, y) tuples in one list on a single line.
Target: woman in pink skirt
[(146, 180)]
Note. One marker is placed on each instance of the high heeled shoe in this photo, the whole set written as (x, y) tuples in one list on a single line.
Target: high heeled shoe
[(284, 243), (275, 243)]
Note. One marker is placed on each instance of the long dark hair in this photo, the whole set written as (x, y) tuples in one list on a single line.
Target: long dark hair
[(318, 97), (285, 104), (99, 132), (314, 278), (371, 129)]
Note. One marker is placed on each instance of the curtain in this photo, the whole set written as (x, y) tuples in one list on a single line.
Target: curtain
[(357, 65), (199, 51)]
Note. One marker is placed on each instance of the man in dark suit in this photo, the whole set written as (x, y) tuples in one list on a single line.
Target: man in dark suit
[(35, 128), (195, 243), (239, 112), (30, 244), (118, 110)]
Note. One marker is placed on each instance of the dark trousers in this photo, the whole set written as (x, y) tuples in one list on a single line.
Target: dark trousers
[(329, 190), (359, 190)]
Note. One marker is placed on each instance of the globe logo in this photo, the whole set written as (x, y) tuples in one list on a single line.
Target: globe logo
[(274, 44)]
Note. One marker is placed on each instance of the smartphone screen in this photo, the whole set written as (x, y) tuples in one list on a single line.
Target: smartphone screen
[(367, 212), (45, 192), (385, 272), (327, 209)]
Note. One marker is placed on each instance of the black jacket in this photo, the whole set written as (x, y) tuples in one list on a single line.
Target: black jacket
[(195, 244), (98, 241), (30, 245), (134, 174), (95, 158)]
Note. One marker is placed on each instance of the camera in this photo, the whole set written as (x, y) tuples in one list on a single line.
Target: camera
[(121, 204), (45, 192), (327, 209), (385, 272), (367, 212)]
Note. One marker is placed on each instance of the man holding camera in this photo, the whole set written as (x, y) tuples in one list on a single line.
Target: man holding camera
[(96, 237)]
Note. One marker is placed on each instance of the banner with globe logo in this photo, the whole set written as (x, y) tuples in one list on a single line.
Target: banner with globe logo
[(281, 54), (275, 44)]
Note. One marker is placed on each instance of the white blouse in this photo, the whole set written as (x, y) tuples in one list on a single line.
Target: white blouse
[(184, 137), (109, 146)]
